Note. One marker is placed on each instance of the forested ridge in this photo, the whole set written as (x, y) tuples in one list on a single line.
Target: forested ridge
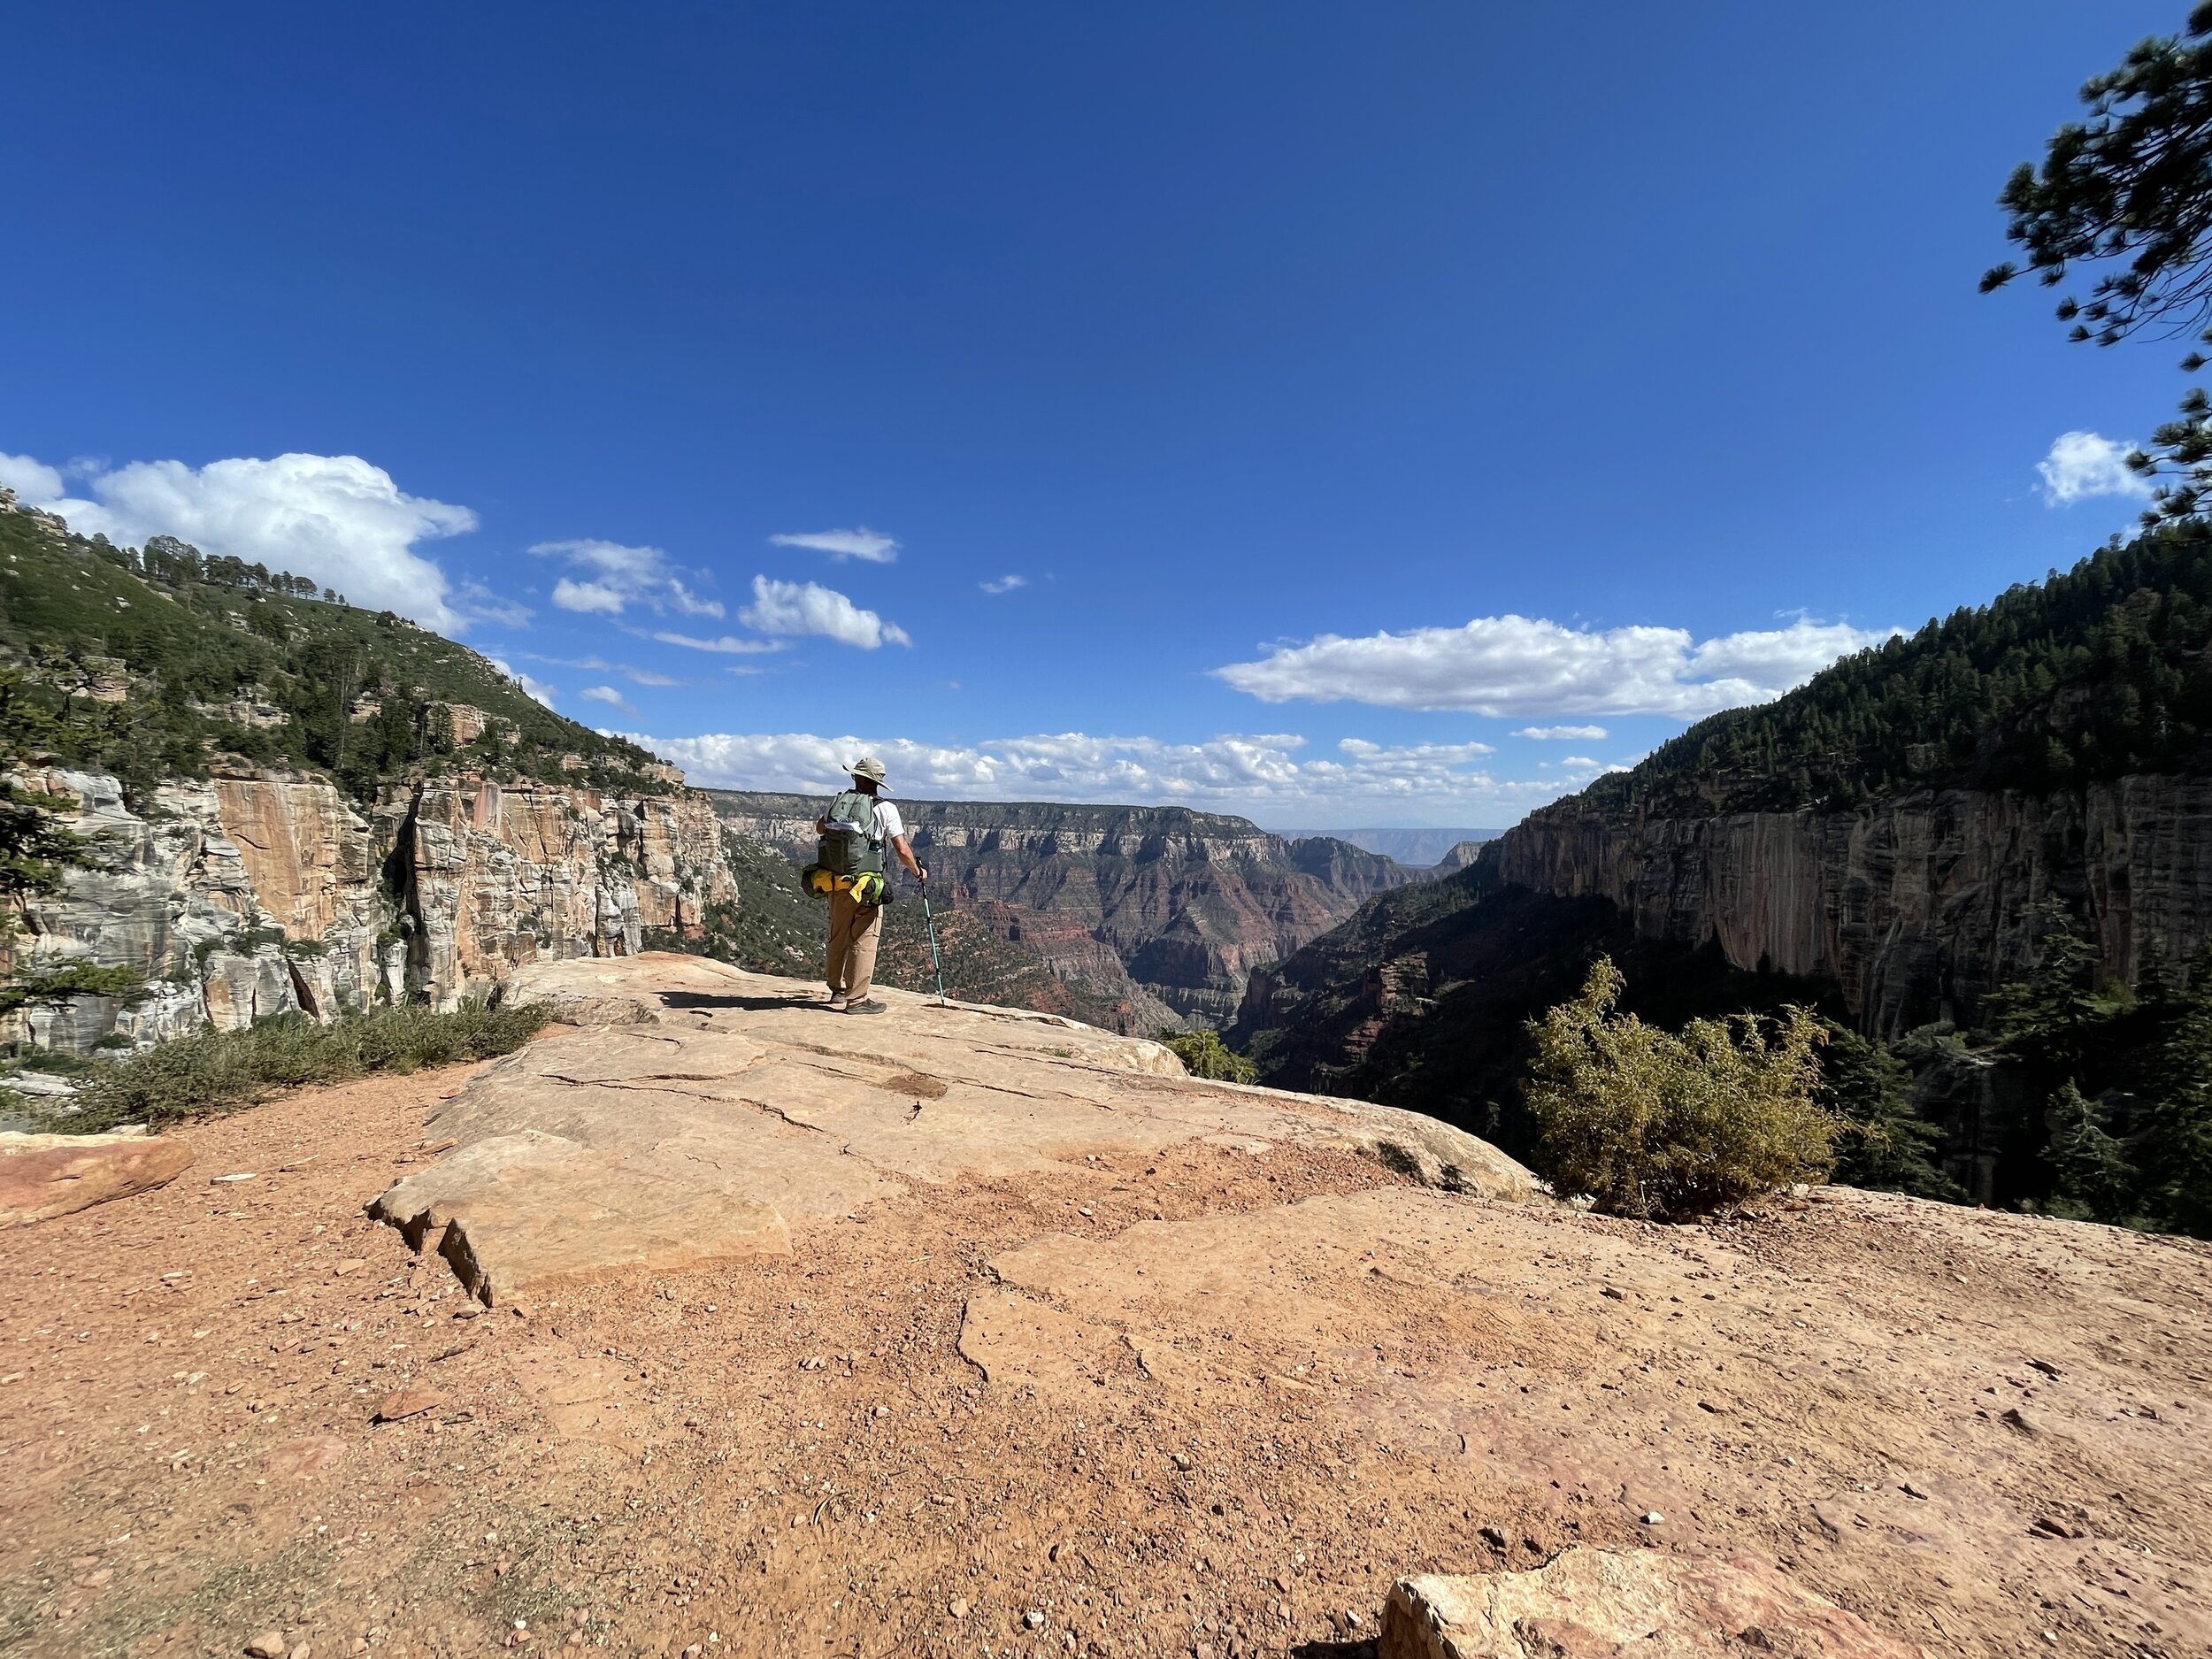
[(148, 663), (2091, 674)]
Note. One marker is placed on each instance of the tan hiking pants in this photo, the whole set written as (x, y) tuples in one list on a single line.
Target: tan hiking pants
[(855, 930)]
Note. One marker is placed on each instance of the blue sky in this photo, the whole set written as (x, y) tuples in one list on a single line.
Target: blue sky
[(1278, 408)]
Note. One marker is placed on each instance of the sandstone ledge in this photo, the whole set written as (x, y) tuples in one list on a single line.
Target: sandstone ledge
[(700, 1113), (45, 1176)]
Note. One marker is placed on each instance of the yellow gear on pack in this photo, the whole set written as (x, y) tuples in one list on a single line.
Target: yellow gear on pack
[(867, 888)]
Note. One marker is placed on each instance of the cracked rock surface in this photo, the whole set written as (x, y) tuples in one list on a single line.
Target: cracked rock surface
[(699, 1113)]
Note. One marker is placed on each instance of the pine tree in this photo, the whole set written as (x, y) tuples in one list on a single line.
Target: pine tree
[(2126, 192), (1888, 1147), (2051, 1017), (2174, 1146), (2094, 1180)]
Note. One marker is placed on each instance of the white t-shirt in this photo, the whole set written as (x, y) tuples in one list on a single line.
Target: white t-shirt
[(889, 824)]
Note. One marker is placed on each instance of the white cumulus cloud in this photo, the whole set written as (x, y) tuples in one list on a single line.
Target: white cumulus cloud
[(611, 577), (607, 695), (1524, 666), (34, 481), (807, 608), (1563, 733), (1003, 584), (2084, 465), (860, 543), (1268, 775), (728, 644), (333, 517)]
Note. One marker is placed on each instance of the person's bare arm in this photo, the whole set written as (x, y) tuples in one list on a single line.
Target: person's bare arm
[(906, 857)]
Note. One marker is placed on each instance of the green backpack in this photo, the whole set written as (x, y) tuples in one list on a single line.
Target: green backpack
[(850, 845)]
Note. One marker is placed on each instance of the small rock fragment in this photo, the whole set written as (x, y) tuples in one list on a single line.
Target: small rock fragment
[(2019, 1422), (406, 1403), (268, 1645), (1178, 1460), (1652, 1518), (1033, 1619), (960, 1608), (2046, 1367), (1494, 1537), (1612, 1295), (226, 1181)]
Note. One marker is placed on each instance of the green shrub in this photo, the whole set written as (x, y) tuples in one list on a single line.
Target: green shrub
[(220, 1071), (1204, 1055), (1646, 1123)]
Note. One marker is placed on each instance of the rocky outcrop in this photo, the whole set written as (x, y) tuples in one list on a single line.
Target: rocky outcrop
[(232, 898), (1458, 856), (1187, 902), (486, 878), (672, 1146), (45, 1176), (1589, 1602), (249, 893), (1917, 907)]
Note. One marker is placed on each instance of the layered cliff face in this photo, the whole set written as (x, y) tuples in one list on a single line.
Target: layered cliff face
[(1915, 908), (486, 878), (1159, 907), (249, 893), (1891, 917), (232, 898)]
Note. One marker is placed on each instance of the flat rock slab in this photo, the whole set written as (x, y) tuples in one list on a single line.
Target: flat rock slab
[(701, 1114), (1588, 1604), (45, 1176)]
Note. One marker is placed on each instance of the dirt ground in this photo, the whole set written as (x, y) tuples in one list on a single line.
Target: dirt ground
[(1984, 1434)]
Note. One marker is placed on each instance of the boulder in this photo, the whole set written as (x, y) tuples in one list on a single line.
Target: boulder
[(45, 1176), (1586, 1602)]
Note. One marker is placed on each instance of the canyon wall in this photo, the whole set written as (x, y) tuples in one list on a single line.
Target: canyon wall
[(1917, 907), (254, 893), (1162, 904)]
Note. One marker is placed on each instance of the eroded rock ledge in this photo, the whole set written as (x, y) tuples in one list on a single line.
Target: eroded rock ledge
[(699, 1113)]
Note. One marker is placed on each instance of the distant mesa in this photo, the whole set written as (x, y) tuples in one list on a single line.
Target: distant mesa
[(1416, 848)]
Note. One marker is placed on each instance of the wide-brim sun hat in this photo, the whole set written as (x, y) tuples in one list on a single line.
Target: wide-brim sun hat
[(869, 767)]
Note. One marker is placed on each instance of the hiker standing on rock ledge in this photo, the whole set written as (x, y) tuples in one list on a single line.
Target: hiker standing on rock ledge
[(859, 824)]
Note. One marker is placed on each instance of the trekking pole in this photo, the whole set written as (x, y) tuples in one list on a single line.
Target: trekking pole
[(930, 923)]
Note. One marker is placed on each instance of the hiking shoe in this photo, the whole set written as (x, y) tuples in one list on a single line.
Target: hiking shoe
[(869, 1007), (837, 1001)]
